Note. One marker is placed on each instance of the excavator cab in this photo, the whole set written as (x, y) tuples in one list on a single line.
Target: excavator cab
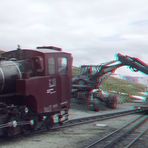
[(89, 69)]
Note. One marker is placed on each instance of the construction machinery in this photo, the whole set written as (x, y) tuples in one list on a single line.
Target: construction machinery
[(87, 85)]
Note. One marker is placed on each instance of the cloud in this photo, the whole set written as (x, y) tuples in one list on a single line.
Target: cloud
[(93, 31)]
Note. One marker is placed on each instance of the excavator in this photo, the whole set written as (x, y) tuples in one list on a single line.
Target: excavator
[(88, 84)]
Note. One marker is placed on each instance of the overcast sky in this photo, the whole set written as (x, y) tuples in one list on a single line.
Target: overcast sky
[(92, 30)]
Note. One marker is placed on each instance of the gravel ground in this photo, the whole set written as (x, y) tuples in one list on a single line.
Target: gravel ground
[(74, 137), (142, 142), (78, 110)]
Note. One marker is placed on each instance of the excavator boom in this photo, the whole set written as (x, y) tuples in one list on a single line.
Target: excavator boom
[(134, 63)]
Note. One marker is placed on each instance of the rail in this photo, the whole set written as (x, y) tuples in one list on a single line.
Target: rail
[(114, 138), (90, 119)]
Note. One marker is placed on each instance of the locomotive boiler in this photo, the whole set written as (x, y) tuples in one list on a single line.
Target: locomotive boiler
[(35, 89)]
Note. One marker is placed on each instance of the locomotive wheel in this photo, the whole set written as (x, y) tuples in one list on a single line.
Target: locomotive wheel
[(30, 116), (44, 122), (49, 123), (14, 129)]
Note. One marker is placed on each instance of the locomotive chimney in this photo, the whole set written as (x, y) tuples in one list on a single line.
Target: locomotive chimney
[(18, 47)]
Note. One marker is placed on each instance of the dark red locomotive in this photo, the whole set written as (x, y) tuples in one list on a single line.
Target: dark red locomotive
[(35, 88)]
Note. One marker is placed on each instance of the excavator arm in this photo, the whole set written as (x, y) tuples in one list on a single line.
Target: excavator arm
[(134, 63), (104, 70), (122, 60)]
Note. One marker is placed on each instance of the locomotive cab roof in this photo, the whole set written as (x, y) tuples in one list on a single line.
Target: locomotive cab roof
[(32, 52)]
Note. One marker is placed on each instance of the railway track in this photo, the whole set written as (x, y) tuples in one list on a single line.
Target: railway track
[(90, 119), (85, 120), (79, 121), (126, 136)]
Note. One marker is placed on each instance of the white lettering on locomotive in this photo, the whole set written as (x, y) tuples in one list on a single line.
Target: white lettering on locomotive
[(55, 106), (65, 102), (52, 86)]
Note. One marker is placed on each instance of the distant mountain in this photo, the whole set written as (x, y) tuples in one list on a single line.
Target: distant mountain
[(141, 80), (133, 79), (113, 84), (1, 51)]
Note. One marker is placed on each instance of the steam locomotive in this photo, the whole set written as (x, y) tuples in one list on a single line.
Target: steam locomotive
[(35, 89)]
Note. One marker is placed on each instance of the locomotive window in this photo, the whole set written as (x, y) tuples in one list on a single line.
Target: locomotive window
[(38, 64), (62, 65), (51, 65)]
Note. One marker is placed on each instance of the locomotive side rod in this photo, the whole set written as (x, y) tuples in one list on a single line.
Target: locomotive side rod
[(14, 124)]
